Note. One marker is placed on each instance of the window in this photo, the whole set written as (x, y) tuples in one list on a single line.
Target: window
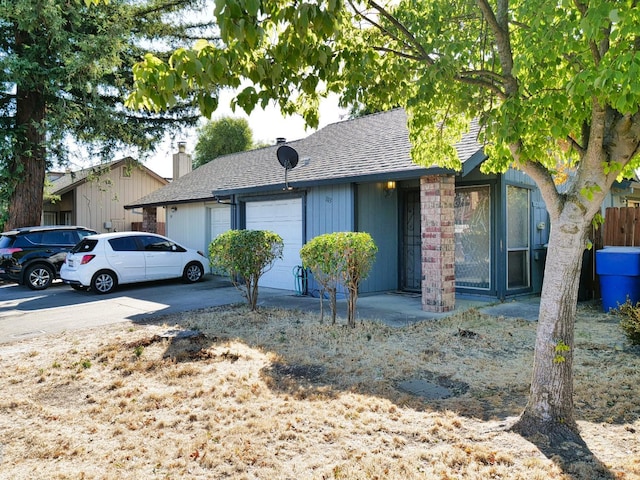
[(28, 240), (49, 218), (158, 244), (85, 245), (517, 237), (124, 244), (67, 218), (58, 238)]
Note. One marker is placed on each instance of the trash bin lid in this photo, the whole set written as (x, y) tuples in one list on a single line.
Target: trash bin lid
[(618, 261)]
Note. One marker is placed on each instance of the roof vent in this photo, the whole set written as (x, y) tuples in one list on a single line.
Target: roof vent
[(280, 140)]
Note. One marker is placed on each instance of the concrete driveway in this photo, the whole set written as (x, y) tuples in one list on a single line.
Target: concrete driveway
[(25, 313)]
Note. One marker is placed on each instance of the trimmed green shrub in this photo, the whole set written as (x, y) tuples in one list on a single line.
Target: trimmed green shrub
[(322, 257), (630, 320), (245, 255), (340, 257)]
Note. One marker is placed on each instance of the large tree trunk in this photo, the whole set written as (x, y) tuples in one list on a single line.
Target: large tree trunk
[(612, 140), (26, 169), (549, 410)]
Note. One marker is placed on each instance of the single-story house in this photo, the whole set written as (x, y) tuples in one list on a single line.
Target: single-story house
[(438, 231), (95, 197)]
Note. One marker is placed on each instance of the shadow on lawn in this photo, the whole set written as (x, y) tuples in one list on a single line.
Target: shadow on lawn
[(323, 378), (570, 452)]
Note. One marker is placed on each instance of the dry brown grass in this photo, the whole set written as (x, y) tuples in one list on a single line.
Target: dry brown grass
[(277, 395)]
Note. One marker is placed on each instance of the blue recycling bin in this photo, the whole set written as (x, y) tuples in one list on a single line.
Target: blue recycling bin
[(619, 271)]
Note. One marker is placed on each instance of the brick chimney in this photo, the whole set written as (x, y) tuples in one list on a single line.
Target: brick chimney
[(181, 161)]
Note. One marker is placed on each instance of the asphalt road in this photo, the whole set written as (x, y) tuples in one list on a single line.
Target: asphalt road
[(25, 313)]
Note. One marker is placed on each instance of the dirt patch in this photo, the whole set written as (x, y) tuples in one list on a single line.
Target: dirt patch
[(432, 386), (228, 393), (300, 372)]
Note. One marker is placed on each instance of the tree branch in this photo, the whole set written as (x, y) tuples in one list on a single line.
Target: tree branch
[(595, 51), (162, 7), (622, 143), (412, 44), (407, 34), (499, 25), (382, 29), (552, 198), (491, 75), (591, 171), (398, 53), (487, 83), (575, 145)]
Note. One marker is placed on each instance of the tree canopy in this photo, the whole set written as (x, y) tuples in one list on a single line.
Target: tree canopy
[(66, 71), (222, 137), (552, 83)]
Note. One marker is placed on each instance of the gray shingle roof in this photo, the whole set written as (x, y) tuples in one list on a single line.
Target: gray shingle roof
[(375, 147)]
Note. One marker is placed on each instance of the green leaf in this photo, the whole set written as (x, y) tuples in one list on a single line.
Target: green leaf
[(614, 16), (252, 7)]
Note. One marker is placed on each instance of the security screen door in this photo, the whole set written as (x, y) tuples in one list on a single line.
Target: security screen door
[(473, 237), (412, 243)]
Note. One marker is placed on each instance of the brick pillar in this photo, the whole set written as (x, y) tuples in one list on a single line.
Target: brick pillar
[(149, 220), (437, 194)]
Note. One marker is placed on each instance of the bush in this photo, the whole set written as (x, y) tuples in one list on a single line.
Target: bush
[(322, 257), (630, 321), (246, 255), (340, 256)]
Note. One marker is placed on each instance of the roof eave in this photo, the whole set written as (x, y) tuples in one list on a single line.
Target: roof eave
[(164, 203), (473, 162), (377, 177)]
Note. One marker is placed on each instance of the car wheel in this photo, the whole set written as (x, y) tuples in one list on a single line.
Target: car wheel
[(39, 277), (104, 282), (193, 272)]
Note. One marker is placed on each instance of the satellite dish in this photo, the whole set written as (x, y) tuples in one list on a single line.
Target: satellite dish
[(287, 157)]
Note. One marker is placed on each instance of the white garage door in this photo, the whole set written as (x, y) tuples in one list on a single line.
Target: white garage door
[(283, 217)]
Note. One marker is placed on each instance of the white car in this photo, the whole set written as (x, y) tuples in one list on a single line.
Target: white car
[(102, 262)]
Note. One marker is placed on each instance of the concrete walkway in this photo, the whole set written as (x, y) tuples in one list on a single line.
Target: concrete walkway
[(399, 309)]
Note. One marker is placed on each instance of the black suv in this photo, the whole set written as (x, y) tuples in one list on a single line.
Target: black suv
[(33, 255)]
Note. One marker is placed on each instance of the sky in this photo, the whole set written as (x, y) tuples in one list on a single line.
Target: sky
[(266, 125)]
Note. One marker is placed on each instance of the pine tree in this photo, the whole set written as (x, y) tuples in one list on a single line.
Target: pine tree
[(66, 69)]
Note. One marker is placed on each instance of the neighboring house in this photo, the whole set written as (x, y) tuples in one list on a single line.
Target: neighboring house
[(95, 197), (438, 231), (625, 193)]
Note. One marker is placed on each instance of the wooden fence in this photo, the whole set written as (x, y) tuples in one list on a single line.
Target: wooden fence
[(621, 227)]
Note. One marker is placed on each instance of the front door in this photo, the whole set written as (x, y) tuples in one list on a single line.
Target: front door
[(411, 242)]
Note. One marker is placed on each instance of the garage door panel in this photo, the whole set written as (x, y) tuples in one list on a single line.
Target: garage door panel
[(283, 217)]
